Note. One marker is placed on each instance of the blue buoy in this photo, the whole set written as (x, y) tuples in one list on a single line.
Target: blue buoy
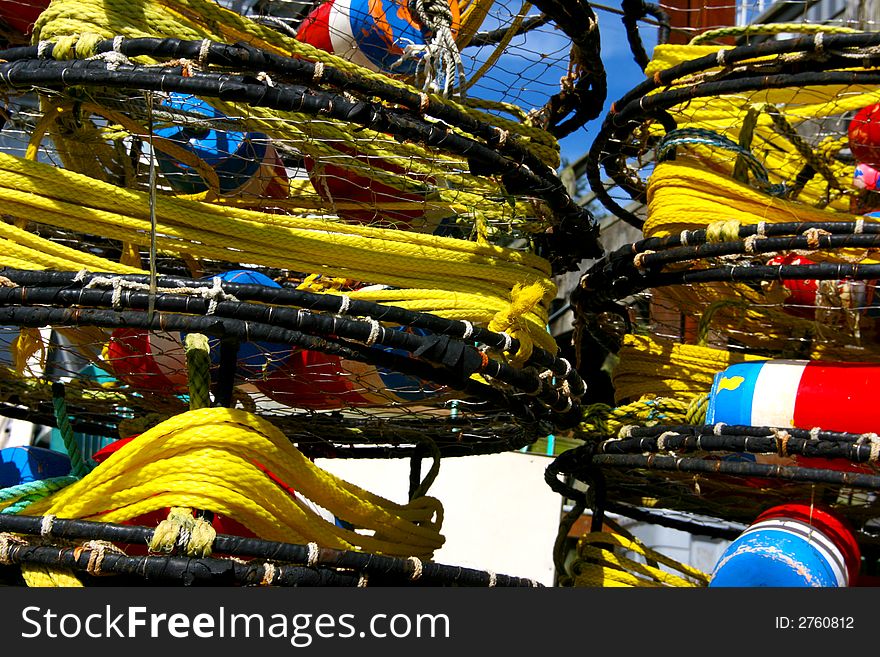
[(23, 464)]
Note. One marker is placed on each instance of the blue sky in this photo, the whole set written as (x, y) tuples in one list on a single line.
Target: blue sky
[(621, 69), (529, 71)]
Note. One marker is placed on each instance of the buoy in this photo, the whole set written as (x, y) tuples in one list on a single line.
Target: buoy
[(152, 361), (371, 33), (791, 545), (314, 380), (866, 177), (835, 396), (246, 162), (256, 357), (339, 185), (864, 135), (27, 463), (801, 301), (21, 16)]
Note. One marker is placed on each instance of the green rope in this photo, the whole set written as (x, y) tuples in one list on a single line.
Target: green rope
[(696, 412), (198, 364), (702, 137), (78, 467), (31, 491), (746, 134)]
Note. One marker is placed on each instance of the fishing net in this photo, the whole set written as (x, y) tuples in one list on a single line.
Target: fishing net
[(743, 163), (339, 223)]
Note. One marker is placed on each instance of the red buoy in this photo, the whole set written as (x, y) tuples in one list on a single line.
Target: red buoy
[(864, 135)]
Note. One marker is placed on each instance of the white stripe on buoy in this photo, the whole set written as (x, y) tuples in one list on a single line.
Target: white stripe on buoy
[(826, 548), (776, 390), (169, 355), (344, 43)]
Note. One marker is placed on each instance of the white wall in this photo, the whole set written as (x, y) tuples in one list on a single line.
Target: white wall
[(499, 513)]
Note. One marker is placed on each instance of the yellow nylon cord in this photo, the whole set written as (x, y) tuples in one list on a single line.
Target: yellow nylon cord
[(599, 565), (206, 459)]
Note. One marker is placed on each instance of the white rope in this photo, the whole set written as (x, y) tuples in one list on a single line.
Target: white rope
[(269, 572), (313, 554), (213, 294), (345, 304), (46, 525), (375, 328), (417, 568), (203, 52)]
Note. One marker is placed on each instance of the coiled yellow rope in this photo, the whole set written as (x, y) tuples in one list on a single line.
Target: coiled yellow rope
[(217, 459), (452, 278), (654, 366)]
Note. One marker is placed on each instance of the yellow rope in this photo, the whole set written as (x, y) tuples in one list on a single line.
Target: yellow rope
[(685, 196), (36, 576), (655, 366), (600, 563), (425, 267), (216, 459), (755, 29)]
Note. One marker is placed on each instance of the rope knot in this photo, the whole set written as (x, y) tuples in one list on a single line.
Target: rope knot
[(524, 299)]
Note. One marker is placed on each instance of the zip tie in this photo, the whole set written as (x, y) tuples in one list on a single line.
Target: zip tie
[(269, 573), (46, 525), (313, 555), (468, 329), (374, 331), (319, 72), (417, 568)]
